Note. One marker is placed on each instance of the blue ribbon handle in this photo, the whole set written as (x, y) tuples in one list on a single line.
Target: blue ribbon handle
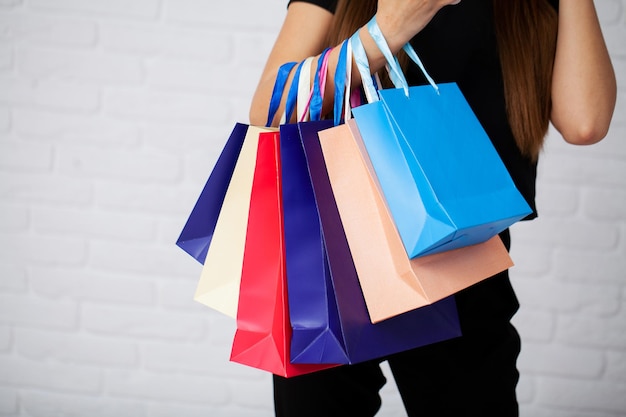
[(277, 93), (292, 96), (317, 100)]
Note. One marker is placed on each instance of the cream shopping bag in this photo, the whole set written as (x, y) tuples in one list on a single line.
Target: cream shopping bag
[(218, 287)]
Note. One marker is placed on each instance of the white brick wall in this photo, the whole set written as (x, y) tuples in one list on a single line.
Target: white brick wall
[(112, 113)]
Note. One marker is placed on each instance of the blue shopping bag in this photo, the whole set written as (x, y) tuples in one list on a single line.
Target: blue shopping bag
[(316, 331), (445, 184)]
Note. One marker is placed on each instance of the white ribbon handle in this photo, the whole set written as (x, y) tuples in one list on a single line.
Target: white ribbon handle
[(304, 90), (363, 66)]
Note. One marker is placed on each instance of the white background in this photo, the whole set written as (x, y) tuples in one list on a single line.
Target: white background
[(112, 114)]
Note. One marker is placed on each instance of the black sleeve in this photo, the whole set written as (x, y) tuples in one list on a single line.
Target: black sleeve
[(329, 5)]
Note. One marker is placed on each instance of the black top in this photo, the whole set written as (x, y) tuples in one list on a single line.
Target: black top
[(326, 4), (459, 45)]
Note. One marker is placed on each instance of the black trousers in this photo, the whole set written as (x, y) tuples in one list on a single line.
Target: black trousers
[(474, 375)]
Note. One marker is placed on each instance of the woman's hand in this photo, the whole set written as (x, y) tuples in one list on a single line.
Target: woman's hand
[(400, 20)]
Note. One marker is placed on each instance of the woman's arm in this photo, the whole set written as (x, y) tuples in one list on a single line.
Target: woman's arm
[(583, 82), (304, 32)]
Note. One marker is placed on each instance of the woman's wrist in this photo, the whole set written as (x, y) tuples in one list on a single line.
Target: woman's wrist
[(394, 33), (401, 21), (375, 57)]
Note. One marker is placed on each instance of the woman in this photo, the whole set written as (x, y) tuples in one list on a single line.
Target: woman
[(521, 64)]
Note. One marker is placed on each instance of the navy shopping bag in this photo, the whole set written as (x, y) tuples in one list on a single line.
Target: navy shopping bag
[(197, 233), (316, 330)]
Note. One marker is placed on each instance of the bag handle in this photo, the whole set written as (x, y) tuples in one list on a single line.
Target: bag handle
[(344, 95), (292, 96), (392, 61), (393, 66), (277, 92), (342, 81), (319, 85), (314, 101), (363, 66), (304, 91)]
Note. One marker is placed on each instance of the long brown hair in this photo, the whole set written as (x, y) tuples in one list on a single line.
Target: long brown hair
[(526, 31)]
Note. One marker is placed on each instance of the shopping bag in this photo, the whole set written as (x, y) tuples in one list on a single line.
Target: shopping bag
[(443, 181), (218, 286), (263, 334), (393, 284), (196, 235), (316, 328), (363, 340), (312, 308)]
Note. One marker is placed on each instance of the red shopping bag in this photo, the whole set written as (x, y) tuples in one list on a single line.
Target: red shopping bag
[(263, 335)]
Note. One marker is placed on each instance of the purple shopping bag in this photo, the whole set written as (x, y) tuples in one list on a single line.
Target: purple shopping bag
[(316, 329), (361, 339)]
